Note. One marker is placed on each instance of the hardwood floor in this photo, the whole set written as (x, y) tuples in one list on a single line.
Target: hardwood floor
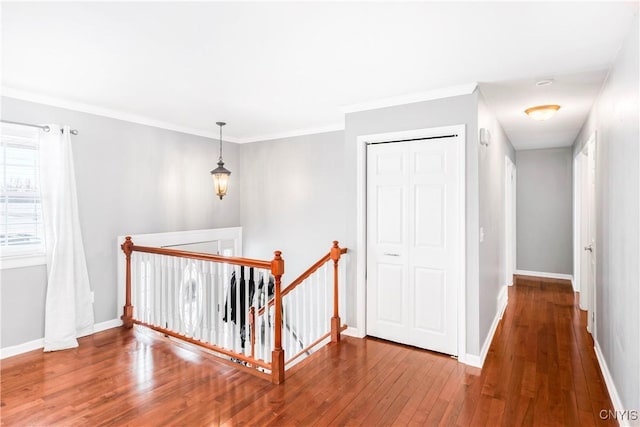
[(541, 370)]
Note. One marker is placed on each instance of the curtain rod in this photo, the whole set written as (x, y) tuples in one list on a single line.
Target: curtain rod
[(44, 128)]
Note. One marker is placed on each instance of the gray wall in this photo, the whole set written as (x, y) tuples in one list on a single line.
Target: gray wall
[(442, 112), (316, 202), (131, 179), (293, 198), (615, 119), (544, 215), (492, 253), (294, 194)]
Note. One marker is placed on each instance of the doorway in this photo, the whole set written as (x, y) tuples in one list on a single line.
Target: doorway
[(413, 233), (585, 230), (509, 220)]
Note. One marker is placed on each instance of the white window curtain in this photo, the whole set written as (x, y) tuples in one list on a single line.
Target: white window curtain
[(69, 310)]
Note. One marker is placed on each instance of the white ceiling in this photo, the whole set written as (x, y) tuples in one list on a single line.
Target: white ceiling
[(575, 94), (273, 69)]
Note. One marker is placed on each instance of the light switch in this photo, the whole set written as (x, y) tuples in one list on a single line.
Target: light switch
[(481, 234)]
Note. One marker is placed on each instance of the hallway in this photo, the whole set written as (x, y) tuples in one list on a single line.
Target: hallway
[(541, 370)]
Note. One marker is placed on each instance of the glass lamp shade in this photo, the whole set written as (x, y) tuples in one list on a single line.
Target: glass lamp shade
[(220, 177), (542, 112)]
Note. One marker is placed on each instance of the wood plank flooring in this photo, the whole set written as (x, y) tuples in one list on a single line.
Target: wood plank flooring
[(541, 370)]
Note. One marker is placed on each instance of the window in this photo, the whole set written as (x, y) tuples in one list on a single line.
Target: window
[(21, 225)]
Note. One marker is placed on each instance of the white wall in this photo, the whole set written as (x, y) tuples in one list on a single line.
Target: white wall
[(615, 117), (545, 211), (131, 179)]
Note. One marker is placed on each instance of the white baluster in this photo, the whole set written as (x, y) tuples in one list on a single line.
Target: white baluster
[(266, 321), (176, 294), (285, 327), (135, 283), (222, 339), (140, 291), (144, 288), (299, 307), (169, 295), (198, 299), (236, 312), (327, 285), (259, 319), (165, 284), (304, 289), (247, 304), (319, 305), (211, 306), (220, 304), (342, 293), (183, 291)]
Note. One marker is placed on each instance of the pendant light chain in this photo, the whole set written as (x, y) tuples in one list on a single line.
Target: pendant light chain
[(220, 158)]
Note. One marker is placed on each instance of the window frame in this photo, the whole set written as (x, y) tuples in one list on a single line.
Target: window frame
[(25, 255)]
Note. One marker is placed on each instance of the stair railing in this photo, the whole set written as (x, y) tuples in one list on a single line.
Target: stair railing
[(202, 299), (310, 307), (234, 306)]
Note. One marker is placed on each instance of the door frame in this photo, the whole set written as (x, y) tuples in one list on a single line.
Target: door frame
[(361, 221), (581, 171), (510, 246)]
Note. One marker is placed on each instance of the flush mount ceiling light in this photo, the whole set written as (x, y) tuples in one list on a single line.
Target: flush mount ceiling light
[(220, 175), (542, 112)]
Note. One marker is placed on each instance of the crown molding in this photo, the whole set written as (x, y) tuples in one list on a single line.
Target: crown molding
[(464, 89), (446, 92), (107, 112), (290, 134)]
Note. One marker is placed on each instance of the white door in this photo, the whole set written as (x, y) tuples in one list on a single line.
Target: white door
[(587, 228), (510, 220), (413, 263), (590, 241)]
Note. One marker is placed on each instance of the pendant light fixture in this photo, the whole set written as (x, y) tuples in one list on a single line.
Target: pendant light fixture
[(220, 175)]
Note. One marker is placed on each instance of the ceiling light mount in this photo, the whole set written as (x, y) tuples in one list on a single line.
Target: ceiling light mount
[(544, 82), (542, 112)]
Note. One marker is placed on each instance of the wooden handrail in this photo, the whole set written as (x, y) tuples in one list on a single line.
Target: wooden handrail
[(302, 278), (247, 262), (217, 349), (276, 267)]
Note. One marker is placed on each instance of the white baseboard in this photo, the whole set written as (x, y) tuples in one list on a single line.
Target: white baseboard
[(471, 360), (353, 332), (478, 360), (547, 275), (26, 347), (109, 324), (608, 380)]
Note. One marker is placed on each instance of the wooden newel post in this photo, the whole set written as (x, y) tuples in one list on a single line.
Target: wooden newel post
[(277, 356), (127, 315), (335, 320)]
